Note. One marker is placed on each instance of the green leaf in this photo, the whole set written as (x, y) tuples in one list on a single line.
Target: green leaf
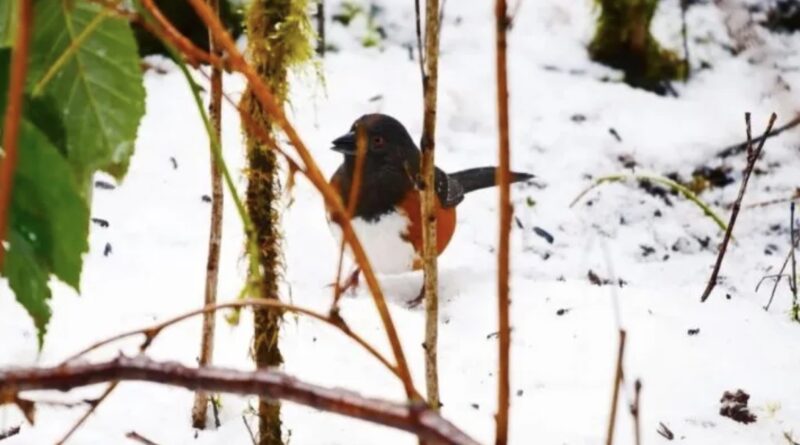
[(44, 112), (95, 80), (47, 207), (28, 281), (5, 65), (8, 22)]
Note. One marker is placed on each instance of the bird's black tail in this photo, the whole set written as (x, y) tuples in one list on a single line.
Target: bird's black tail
[(484, 177)]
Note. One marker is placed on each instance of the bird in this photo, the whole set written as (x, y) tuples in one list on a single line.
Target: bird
[(387, 214)]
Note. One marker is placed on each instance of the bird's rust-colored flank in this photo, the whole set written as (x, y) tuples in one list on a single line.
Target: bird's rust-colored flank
[(445, 225)]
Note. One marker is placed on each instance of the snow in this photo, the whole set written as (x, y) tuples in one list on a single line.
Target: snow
[(562, 365)]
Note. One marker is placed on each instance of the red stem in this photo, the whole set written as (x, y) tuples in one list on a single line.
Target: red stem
[(16, 87)]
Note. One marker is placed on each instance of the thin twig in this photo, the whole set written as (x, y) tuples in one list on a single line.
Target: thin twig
[(418, 29), (618, 378), (752, 157), (314, 174), (200, 407), (505, 210), (249, 430), (133, 435), (13, 117), (151, 332), (193, 54), (685, 37), (92, 408), (10, 432), (779, 275), (321, 28), (352, 204), (742, 146), (635, 412), (272, 383), (792, 244)]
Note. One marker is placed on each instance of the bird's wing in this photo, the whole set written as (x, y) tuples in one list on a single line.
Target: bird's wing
[(448, 189)]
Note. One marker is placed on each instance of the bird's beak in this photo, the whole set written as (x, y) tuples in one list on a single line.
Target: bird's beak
[(345, 144)]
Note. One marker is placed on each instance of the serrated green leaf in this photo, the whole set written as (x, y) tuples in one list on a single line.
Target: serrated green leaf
[(47, 207), (5, 64), (8, 22), (28, 281), (43, 112), (98, 86)]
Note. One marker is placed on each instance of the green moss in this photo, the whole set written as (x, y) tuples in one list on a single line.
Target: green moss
[(279, 39), (623, 41)]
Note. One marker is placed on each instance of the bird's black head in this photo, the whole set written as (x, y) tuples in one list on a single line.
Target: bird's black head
[(385, 137)]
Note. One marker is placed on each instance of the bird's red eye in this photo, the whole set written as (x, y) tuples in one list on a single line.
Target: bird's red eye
[(378, 141)]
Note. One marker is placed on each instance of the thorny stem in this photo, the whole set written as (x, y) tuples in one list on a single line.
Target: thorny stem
[(312, 172), (420, 421), (752, 157), (200, 408), (503, 176), (11, 123)]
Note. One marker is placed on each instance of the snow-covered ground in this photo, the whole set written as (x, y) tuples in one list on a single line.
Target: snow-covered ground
[(564, 328)]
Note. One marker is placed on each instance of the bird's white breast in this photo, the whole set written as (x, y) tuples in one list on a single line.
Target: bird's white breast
[(383, 241)]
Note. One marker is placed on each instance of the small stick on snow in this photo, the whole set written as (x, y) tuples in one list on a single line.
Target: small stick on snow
[(742, 146), (793, 285), (618, 377), (752, 157), (635, 407), (92, 407), (249, 430), (13, 431), (133, 435)]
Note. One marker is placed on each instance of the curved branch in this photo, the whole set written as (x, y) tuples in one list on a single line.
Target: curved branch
[(414, 418)]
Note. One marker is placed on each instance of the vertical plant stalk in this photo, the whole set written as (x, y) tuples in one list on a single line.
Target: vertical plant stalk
[(793, 278), (428, 202), (272, 48), (201, 398), (618, 378), (11, 123), (321, 28), (685, 37), (636, 412), (752, 158), (504, 204)]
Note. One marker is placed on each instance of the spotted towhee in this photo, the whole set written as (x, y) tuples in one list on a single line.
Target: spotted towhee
[(387, 216)]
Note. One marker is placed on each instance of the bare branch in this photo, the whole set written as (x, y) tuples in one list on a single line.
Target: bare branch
[(618, 378), (428, 202), (200, 407), (504, 204), (413, 418), (752, 157)]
